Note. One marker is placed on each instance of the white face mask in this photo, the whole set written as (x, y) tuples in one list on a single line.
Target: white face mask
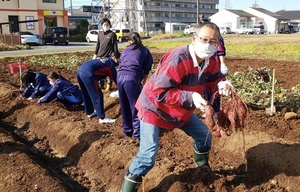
[(204, 50), (105, 28)]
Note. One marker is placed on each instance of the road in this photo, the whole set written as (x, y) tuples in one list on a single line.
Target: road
[(72, 46), (42, 49)]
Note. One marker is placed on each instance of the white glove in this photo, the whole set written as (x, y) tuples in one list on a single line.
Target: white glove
[(95, 56), (39, 101), (224, 69), (224, 88), (199, 102), (114, 94)]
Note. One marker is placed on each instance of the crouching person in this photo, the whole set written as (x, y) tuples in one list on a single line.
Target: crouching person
[(63, 91), (36, 85)]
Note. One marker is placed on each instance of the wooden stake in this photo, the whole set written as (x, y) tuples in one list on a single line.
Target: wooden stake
[(272, 97)]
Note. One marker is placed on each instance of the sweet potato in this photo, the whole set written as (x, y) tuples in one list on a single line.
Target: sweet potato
[(241, 108), (209, 113), (232, 114)]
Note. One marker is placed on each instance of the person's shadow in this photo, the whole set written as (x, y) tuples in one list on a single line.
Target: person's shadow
[(264, 162), (84, 142)]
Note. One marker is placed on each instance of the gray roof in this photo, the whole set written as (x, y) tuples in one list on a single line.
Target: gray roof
[(293, 14), (275, 15), (240, 13)]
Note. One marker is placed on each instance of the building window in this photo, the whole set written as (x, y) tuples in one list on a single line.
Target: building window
[(157, 24), (157, 14), (49, 1), (177, 5)]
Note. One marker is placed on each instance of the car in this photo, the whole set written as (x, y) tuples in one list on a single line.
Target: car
[(155, 31), (225, 30), (190, 29), (29, 38), (55, 35), (122, 34), (258, 29), (92, 35)]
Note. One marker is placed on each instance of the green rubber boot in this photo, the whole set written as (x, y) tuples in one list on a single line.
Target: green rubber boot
[(200, 159), (131, 183)]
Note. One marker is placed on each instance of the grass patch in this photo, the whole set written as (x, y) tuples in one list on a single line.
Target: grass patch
[(275, 47), (7, 47)]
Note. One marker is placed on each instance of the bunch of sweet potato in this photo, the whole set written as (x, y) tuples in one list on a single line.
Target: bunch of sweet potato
[(231, 116)]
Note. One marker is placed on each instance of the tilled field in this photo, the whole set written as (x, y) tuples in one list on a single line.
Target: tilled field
[(48, 148)]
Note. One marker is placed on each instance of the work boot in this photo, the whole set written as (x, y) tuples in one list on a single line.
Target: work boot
[(200, 159), (108, 85), (131, 183), (108, 88)]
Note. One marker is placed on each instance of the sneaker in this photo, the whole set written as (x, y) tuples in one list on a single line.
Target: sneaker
[(92, 114), (114, 94), (106, 120)]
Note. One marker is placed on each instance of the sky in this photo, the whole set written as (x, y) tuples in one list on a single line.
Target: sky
[(271, 5)]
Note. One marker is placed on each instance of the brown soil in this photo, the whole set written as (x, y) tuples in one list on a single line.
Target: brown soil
[(49, 148)]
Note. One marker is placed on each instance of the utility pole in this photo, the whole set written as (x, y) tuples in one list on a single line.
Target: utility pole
[(227, 4), (71, 5), (170, 18), (197, 11), (255, 4)]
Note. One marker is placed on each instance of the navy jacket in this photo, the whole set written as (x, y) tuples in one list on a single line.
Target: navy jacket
[(98, 69), (40, 81), (61, 85)]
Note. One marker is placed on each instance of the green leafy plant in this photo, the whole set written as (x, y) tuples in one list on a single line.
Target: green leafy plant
[(254, 86)]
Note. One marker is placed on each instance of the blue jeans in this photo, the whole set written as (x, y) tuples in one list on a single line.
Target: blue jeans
[(149, 141)]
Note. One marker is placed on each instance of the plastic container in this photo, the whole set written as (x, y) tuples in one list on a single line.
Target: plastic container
[(15, 67)]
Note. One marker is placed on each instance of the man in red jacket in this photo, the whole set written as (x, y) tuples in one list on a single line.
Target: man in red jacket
[(168, 100)]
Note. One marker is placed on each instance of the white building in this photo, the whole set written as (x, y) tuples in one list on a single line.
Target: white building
[(273, 22), (248, 17), (147, 15), (233, 18)]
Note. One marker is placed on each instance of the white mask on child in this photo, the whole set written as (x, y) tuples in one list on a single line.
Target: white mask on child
[(51, 83), (105, 28)]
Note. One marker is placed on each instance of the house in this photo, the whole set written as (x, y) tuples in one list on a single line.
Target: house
[(273, 22), (31, 15), (233, 18), (249, 17), (293, 15)]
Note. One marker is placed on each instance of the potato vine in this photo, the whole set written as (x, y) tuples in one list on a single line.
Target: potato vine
[(255, 87)]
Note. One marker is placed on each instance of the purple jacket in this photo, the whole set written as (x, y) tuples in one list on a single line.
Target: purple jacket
[(136, 63)]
